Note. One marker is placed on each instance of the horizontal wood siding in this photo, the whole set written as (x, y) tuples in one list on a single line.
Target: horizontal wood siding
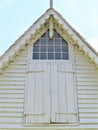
[(87, 89), (12, 92), (12, 89)]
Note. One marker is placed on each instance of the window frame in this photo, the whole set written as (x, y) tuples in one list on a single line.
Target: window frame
[(54, 54)]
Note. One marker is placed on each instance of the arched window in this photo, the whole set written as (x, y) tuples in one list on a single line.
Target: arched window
[(52, 49)]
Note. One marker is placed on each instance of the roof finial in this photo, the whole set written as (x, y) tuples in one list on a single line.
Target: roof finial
[(51, 3)]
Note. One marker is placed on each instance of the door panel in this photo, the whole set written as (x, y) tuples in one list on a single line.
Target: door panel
[(51, 93), (38, 110), (59, 100), (54, 92)]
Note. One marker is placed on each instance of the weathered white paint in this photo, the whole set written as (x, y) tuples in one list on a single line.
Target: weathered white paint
[(12, 89), (13, 85)]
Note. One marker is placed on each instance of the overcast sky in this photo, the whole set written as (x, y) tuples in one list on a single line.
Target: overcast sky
[(17, 15)]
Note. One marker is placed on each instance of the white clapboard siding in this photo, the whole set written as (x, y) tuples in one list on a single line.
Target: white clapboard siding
[(87, 89), (12, 90)]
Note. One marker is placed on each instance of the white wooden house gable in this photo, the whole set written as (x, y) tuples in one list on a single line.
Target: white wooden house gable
[(49, 78), (51, 89)]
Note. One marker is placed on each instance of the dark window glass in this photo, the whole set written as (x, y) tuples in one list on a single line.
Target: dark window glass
[(35, 55), (37, 43), (43, 55), (44, 35), (58, 56), (64, 49), (57, 49), (36, 49), (64, 42), (50, 48), (65, 56), (56, 35), (46, 48), (43, 42), (43, 48), (57, 42), (50, 56), (50, 42)]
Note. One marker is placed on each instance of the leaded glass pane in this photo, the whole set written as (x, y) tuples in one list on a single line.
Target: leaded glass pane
[(35, 55), (64, 49), (43, 55), (57, 42), (36, 48), (58, 56), (57, 48), (50, 42), (46, 48), (43, 48), (50, 56), (65, 56), (50, 48)]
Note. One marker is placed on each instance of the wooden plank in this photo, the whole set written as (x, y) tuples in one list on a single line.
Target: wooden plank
[(86, 67), (19, 62), (12, 91), (61, 117), (11, 114), (14, 74), (21, 58), (81, 75), (46, 92), (11, 110), (10, 126), (88, 115), (87, 83), (54, 93), (10, 120), (11, 105), (89, 96), (12, 87), (12, 82), (83, 79), (86, 72), (15, 70), (89, 120), (36, 103), (85, 110), (11, 78), (88, 87), (88, 101), (71, 99), (88, 106), (11, 100), (88, 92), (12, 95), (17, 67)]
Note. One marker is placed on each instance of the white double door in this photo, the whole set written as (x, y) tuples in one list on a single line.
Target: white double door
[(50, 91)]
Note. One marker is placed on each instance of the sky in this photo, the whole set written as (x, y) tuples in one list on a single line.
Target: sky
[(17, 15)]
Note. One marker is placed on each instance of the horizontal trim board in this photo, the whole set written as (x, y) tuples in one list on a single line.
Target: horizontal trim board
[(11, 110), (12, 88), (12, 96), (12, 100), (11, 105), (10, 120), (11, 115)]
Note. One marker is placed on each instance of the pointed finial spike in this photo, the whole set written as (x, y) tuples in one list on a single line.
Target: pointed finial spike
[(51, 3)]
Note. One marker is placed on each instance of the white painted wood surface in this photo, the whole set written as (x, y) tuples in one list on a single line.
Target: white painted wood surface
[(37, 109), (12, 90), (13, 84), (87, 87), (58, 96)]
